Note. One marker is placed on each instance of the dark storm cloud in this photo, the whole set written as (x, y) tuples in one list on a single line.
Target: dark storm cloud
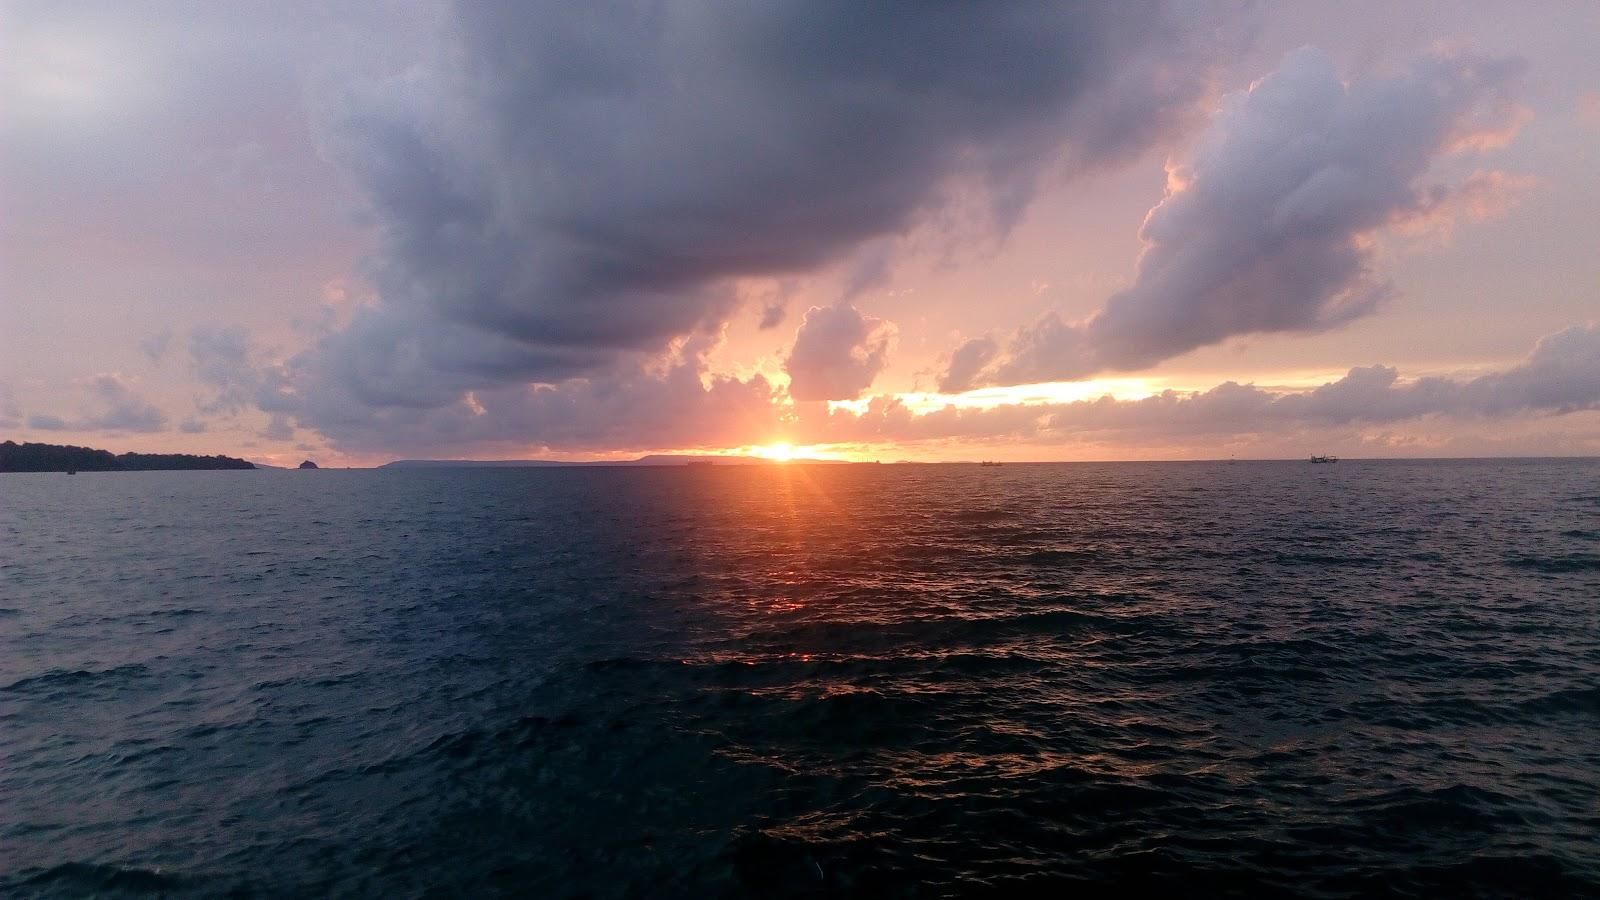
[(565, 186), (1264, 228), (837, 353)]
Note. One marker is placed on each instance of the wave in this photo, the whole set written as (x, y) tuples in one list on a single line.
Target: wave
[(78, 879), (56, 679), (1556, 564)]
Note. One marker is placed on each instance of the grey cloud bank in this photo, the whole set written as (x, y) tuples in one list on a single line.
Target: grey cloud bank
[(671, 403), (1264, 227), (112, 405), (680, 405), (1560, 376)]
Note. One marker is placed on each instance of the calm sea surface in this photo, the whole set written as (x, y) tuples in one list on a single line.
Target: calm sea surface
[(865, 680)]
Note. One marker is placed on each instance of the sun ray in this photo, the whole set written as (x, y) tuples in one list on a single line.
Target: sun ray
[(778, 451)]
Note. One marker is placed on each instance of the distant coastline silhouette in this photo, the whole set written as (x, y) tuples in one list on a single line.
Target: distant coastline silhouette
[(30, 457)]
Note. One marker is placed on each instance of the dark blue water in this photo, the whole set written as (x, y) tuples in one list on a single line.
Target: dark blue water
[(803, 681)]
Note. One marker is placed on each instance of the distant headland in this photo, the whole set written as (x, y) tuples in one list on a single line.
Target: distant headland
[(15, 457)]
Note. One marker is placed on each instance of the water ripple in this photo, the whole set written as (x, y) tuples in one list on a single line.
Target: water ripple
[(1210, 679)]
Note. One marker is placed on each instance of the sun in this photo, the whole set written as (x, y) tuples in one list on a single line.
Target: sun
[(778, 452)]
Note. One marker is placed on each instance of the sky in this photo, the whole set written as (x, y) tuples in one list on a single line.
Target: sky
[(357, 232)]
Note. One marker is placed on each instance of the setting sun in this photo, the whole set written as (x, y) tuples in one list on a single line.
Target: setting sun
[(778, 452)]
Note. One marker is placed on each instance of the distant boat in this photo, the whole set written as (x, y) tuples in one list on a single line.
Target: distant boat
[(990, 462), (1324, 459), (700, 462)]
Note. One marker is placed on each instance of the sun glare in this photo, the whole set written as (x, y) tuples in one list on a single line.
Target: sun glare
[(1021, 395), (779, 452)]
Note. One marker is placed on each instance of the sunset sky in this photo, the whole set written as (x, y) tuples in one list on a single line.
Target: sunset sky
[(367, 231)]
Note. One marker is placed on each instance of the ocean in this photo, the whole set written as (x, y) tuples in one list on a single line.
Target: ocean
[(795, 680)]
